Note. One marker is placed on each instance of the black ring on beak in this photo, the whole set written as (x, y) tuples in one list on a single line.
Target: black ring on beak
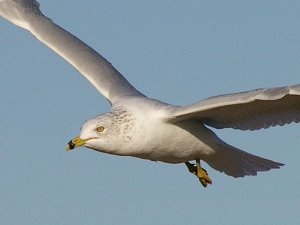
[(71, 145)]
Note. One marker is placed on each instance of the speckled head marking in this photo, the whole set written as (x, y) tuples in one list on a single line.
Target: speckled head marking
[(109, 130)]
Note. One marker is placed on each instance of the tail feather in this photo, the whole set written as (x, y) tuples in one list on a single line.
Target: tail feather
[(237, 163)]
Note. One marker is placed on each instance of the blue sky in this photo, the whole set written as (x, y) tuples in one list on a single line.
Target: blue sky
[(176, 51)]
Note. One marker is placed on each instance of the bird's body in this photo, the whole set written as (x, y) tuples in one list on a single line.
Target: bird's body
[(150, 129), (141, 128)]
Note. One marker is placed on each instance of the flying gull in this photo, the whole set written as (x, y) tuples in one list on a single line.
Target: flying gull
[(150, 129)]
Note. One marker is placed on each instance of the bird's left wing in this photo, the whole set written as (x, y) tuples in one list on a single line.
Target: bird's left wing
[(102, 75), (251, 110)]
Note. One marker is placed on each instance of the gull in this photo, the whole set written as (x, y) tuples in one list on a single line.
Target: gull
[(150, 129)]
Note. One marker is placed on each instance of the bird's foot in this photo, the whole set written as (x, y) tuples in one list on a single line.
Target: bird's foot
[(198, 171), (203, 177)]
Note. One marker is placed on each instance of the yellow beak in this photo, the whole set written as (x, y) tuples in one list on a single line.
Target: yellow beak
[(75, 142)]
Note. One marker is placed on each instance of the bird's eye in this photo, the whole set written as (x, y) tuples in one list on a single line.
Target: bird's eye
[(100, 129)]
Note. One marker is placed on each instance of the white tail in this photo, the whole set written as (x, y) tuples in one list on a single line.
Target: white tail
[(237, 163)]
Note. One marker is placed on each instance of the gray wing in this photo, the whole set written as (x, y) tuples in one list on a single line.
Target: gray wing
[(250, 110), (102, 75)]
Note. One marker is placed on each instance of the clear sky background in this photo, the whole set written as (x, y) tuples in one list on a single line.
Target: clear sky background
[(176, 51)]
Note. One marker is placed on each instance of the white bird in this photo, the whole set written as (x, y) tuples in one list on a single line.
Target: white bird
[(150, 129)]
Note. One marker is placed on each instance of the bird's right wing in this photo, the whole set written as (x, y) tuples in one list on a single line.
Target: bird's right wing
[(102, 75)]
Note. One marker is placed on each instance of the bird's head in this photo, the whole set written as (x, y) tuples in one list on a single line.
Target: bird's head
[(103, 133), (95, 133)]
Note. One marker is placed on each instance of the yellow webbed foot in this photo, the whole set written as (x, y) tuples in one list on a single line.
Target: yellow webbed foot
[(198, 171), (203, 177)]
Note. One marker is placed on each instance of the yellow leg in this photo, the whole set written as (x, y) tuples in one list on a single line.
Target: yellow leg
[(198, 171)]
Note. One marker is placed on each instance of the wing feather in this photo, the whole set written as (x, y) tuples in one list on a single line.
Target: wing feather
[(251, 110), (96, 69)]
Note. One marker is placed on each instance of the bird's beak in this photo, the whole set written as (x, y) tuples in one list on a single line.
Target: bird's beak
[(75, 142)]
